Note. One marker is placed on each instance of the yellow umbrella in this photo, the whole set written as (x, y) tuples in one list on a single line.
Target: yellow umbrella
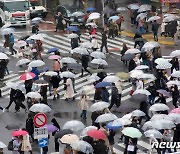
[(69, 138), (123, 75)]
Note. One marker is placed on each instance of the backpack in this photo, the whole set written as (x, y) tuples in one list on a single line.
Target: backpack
[(10, 145)]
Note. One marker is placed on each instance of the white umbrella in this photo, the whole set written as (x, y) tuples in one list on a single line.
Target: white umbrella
[(22, 62), (91, 24), (122, 121), (146, 76), (147, 126), (3, 56), (163, 124), (127, 116), (40, 108), (94, 15), (150, 45), (98, 55), (153, 18), (169, 15), (119, 9), (132, 51), (85, 130), (86, 45), (143, 9), (174, 82), (21, 88), (20, 43), (82, 146), (77, 14), (74, 125), (160, 116), (36, 37), (51, 73), (154, 132), (111, 78), (99, 106), (99, 62), (12, 85), (73, 35), (142, 91), (164, 66), (141, 16), (2, 145), (169, 19), (138, 113), (161, 61), (7, 31), (68, 60), (175, 53), (133, 6), (82, 51), (159, 107), (141, 67), (67, 74), (93, 78), (174, 117), (135, 73), (106, 117), (34, 95), (176, 74), (36, 19), (88, 89), (36, 63)]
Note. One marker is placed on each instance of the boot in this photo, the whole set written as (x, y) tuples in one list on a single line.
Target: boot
[(58, 96), (54, 98)]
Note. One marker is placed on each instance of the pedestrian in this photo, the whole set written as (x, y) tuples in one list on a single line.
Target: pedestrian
[(34, 52), (120, 21), (25, 145), (119, 87), (111, 135), (83, 104), (175, 95), (111, 29), (139, 84), (39, 49), (74, 43), (100, 147), (43, 92), (94, 116), (16, 145), (28, 85), (27, 53), (69, 91), (55, 84), (11, 44), (60, 21), (114, 96), (155, 27), (36, 72), (173, 28), (175, 64), (94, 42), (35, 28), (12, 98), (84, 62), (47, 79), (30, 125), (136, 36), (161, 99), (56, 66), (152, 89), (176, 135), (144, 108), (166, 138), (105, 94), (124, 49), (20, 53), (104, 41), (97, 94), (7, 41), (132, 65), (106, 132)]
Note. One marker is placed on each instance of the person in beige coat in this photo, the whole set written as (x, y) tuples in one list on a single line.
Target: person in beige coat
[(69, 93), (83, 104), (26, 146)]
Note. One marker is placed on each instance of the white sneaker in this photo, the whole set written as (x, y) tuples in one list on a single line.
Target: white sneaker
[(4, 109)]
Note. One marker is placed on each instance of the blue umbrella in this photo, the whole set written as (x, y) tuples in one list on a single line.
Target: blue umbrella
[(114, 18), (113, 126), (52, 50), (89, 9), (102, 84), (72, 28), (30, 41)]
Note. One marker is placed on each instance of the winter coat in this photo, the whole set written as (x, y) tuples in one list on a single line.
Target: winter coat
[(104, 37), (132, 65), (12, 94), (84, 61), (26, 146), (74, 43), (83, 103), (152, 90), (155, 27), (176, 137), (30, 126), (55, 81), (69, 93), (105, 95)]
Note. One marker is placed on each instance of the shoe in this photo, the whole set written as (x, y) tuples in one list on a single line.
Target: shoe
[(66, 100), (50, 94), (4, 109), (73, 98), (58, 96), (54, 98)]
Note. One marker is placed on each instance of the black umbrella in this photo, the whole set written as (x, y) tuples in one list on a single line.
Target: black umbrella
[(13, 126), (63, 132), (139, 97), (127, 57)]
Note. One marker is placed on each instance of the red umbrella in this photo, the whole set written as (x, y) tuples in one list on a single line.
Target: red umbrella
[(176, 110), (19, 133), (27, 76), (97, 134)]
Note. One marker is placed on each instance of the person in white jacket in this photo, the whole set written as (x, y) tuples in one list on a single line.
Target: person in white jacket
[(83, 104), (94, 42)]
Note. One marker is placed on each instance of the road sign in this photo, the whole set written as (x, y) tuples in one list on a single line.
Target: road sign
[(40, 119), (43, 142), (40, 133)]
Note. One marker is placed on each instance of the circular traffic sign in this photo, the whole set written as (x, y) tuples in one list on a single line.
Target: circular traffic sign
[(40, 119)]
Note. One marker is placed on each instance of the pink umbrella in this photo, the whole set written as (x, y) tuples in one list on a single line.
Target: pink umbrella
[(176, 110), (27, 76), (19, 133), (54, 57)]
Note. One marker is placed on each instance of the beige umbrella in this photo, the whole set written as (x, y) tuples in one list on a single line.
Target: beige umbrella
[(69, 139)]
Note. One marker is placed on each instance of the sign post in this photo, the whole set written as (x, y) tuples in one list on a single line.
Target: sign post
[(40, 119)]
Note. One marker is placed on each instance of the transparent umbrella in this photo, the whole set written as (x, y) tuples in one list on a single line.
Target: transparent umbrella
[(154, 132), (74, 125), (99, 106), (40, 108), (85, 130), (159, 107), (106, 117)]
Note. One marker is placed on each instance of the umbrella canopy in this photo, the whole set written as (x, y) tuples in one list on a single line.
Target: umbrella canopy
[(122, 121), (132, 51), (173, 82), (111, 78), (63, 132), (150, 45), (175, 117), (94, 16), (141, 16), (127, 57), (176, 110), (160, 116), (73, 35), (51, 73), (77, 14), (72, 28), (22, 62), (19, 133), (12, 85), (133, 6), (114, 126), (142, 91), (36, 19), (54, 57), (89, 9), (82, 51), (2, 145), (161, 61), (175, 53), (52, 50), (102, 84), (119, 9), (164, 66), (169, 19), (153, 18), (74, 125), (3, 56), (36, 63), (136, 73), (132, 132), (40, 83), (51, 128), (86, 45), (106, 117), (94, 78), (144, 7), (82, 146), (176, 74), (146, 76), (97, 134), (159, 107), (139, 97), (75, 66), (85, 130), (154, 132), (7, 31), (40, 108), (27, 76), (163, 124), (138, 113), (141, 67), (98, 55), (123, 75), (99, 106), (99, 62), (67, 74), (34, 95), (114, 18), (69, 139), (147, 126), (20, 43), (164, 92), (68, 60), (36, 37)]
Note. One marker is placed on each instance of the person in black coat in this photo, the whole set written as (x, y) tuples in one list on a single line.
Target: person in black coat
[(132, 65), (94, 115), (104, 41), (30, 125), (155, 27), (176, 137), (43, 92), (111, 135), (28, 85), (175, 95), (161, 99), (137, 35), (12, 98), (175, 64), (84, 61), (59, 19), (35, 28), (20, 98), (100, 147), (144, 107), (55, 83), (152, 89), (114, 97), (74, 43)]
